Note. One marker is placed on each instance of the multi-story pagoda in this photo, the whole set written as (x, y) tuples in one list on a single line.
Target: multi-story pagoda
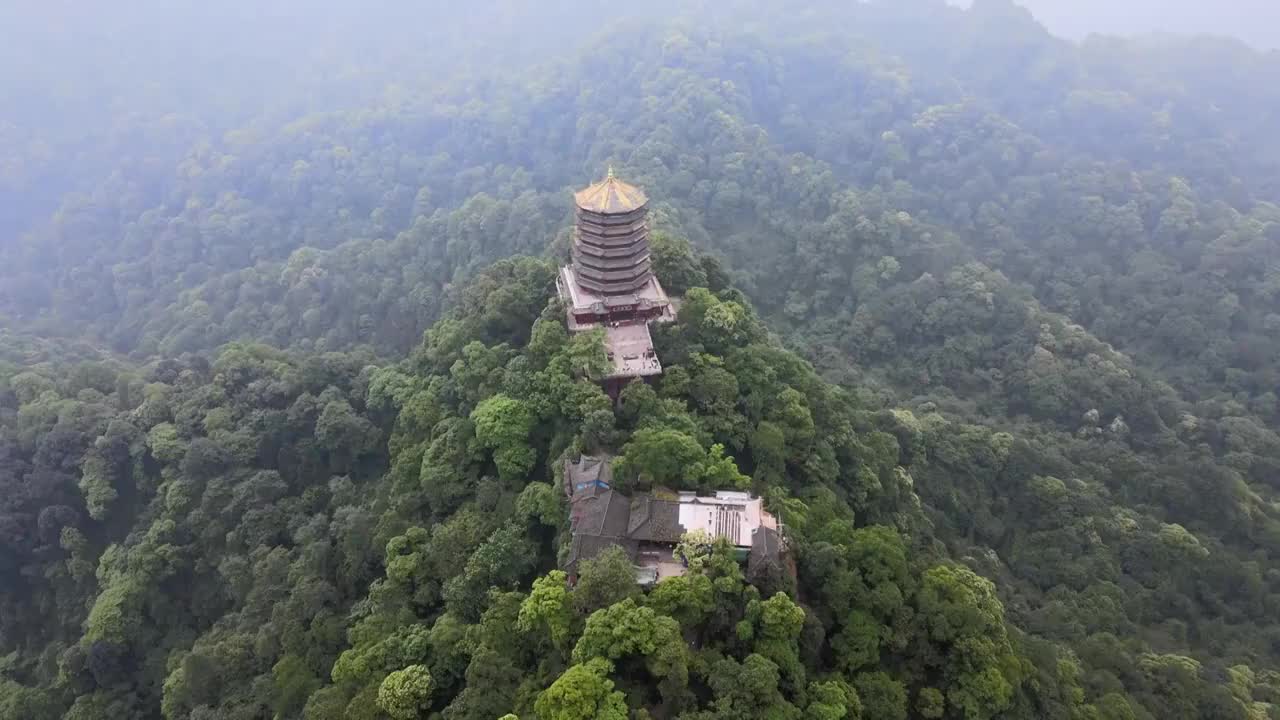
[(610, 283)]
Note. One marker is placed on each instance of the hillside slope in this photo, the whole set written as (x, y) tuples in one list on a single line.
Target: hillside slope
[(177, 550), (1035, 284)]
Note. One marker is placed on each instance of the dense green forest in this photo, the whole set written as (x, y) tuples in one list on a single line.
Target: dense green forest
[(990, 319)]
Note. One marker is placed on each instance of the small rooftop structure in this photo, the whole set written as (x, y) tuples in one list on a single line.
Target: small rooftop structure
[(766, 555), (648, 527), (589, 472), (734, 516)]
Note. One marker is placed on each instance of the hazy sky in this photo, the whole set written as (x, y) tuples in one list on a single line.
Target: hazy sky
[(1254, 21)]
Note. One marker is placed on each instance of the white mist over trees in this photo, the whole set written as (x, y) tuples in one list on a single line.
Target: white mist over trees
[(989, 318), (1256, 22)]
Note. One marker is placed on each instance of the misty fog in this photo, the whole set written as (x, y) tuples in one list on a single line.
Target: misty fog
[(1256, 22), (356, 356)]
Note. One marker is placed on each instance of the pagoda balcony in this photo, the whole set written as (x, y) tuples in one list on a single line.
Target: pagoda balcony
[(602, 219), (615, 234), (611, 253), (611, 244), (590, 302), (615, 288), (598, 265), (610, 276), (593, 245), (606, 261), (612, 229)]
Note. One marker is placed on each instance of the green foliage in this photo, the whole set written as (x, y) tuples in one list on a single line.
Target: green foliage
[(626, 629), (672, 458), (833, 700), (675, 261), (957, 603), (583, 692), (779, 622), (881, 696), (294, 684), (930, 703), (687, 598), (1045, 297), (404, 694), (503, 425), (748, 689), (857, 645), (165, 444), (586, 355), (504, 560), (541, 502), (548, 609), (660, 457), (604, 580), (18, 702)]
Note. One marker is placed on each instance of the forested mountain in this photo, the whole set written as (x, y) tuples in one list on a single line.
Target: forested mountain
[(1254, 21), (990, 318)]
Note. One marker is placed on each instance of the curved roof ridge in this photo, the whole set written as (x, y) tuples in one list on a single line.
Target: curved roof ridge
[(611, 196)]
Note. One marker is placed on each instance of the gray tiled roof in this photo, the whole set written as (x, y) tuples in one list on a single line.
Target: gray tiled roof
[(654, 520), (766, 550), (603, 518), (586, 546), (589, 468), (599, 520), (600, 512)]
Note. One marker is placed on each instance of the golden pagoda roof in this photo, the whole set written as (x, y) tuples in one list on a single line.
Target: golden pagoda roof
[(611, 196)]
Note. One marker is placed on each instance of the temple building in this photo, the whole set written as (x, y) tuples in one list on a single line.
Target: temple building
[(610, 282), (649, 526)]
